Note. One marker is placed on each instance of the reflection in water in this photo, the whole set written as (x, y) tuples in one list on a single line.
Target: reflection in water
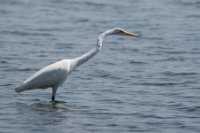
[(37, 116)]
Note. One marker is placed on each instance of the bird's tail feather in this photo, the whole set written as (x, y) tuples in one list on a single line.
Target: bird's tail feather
[(19, 89)]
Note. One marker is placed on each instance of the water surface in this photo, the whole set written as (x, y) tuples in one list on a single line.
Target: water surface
[(150, 84)]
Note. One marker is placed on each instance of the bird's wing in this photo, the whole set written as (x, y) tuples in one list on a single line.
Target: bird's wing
[(47, 77)]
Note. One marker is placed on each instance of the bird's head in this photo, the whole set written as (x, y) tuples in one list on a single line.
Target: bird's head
[(120, 31)]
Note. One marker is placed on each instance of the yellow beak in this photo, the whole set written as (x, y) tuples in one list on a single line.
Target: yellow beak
[(133, 34)]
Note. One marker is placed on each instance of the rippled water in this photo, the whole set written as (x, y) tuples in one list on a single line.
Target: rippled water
[(150, 84)]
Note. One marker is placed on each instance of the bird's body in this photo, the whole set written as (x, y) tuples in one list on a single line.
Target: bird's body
[(52, 76)]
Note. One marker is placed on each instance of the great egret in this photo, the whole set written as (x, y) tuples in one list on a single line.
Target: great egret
[(52, 76)]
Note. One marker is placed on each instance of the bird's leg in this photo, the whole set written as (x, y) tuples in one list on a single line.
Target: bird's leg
[(53, 98), (54, 90)]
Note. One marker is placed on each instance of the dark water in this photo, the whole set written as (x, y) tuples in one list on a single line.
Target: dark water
[(150, 84)]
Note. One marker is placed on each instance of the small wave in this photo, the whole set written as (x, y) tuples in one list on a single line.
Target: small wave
[(10, 2), (193, 109), (112, 125), (108, 63), (23, 69), (20, 69), (156, 84), (6, 84), (168, 73), (3, 11), (178, 52), (174, 59), (23, 33), (65, 45), (95, 4), (190, 3), (188, 109), (41, 55), (154, 116), (3, 62), (137, 62), (193, 16), (154, 38), (111, 114)]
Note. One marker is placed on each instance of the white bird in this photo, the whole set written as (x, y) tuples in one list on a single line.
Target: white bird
[(52, 76)]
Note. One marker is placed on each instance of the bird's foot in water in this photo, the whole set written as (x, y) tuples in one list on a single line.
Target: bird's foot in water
[(56, 101)]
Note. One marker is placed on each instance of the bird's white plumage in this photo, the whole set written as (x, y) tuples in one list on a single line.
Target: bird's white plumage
[(52, 75), (55, 74)]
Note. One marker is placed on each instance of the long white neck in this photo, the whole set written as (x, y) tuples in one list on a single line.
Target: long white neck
[(82, 59), (102, 36)]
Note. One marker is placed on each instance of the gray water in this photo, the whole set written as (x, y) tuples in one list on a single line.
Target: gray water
[(148, 84)]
